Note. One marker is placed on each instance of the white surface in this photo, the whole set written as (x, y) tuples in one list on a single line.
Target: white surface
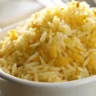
[(52, 2), (16, 10)]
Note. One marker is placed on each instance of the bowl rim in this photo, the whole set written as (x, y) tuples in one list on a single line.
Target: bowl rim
[(66, 84)]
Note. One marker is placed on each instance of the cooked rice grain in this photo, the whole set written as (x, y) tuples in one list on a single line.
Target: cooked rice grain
[(54, 45)]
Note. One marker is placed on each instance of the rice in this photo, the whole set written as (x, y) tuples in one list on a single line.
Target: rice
[(32, 57), (35, 44), (56, 44)]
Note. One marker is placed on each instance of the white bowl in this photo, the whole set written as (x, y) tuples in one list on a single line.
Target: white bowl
[(20, 87)]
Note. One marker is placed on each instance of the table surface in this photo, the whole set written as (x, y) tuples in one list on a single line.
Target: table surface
[(12, 11)]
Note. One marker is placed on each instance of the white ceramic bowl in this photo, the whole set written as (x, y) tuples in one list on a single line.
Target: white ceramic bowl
[(83, 87)]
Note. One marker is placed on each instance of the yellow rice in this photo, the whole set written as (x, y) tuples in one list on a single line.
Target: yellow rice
[(54, 45)]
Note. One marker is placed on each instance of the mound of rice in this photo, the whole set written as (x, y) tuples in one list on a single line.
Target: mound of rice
[(54, 45)]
